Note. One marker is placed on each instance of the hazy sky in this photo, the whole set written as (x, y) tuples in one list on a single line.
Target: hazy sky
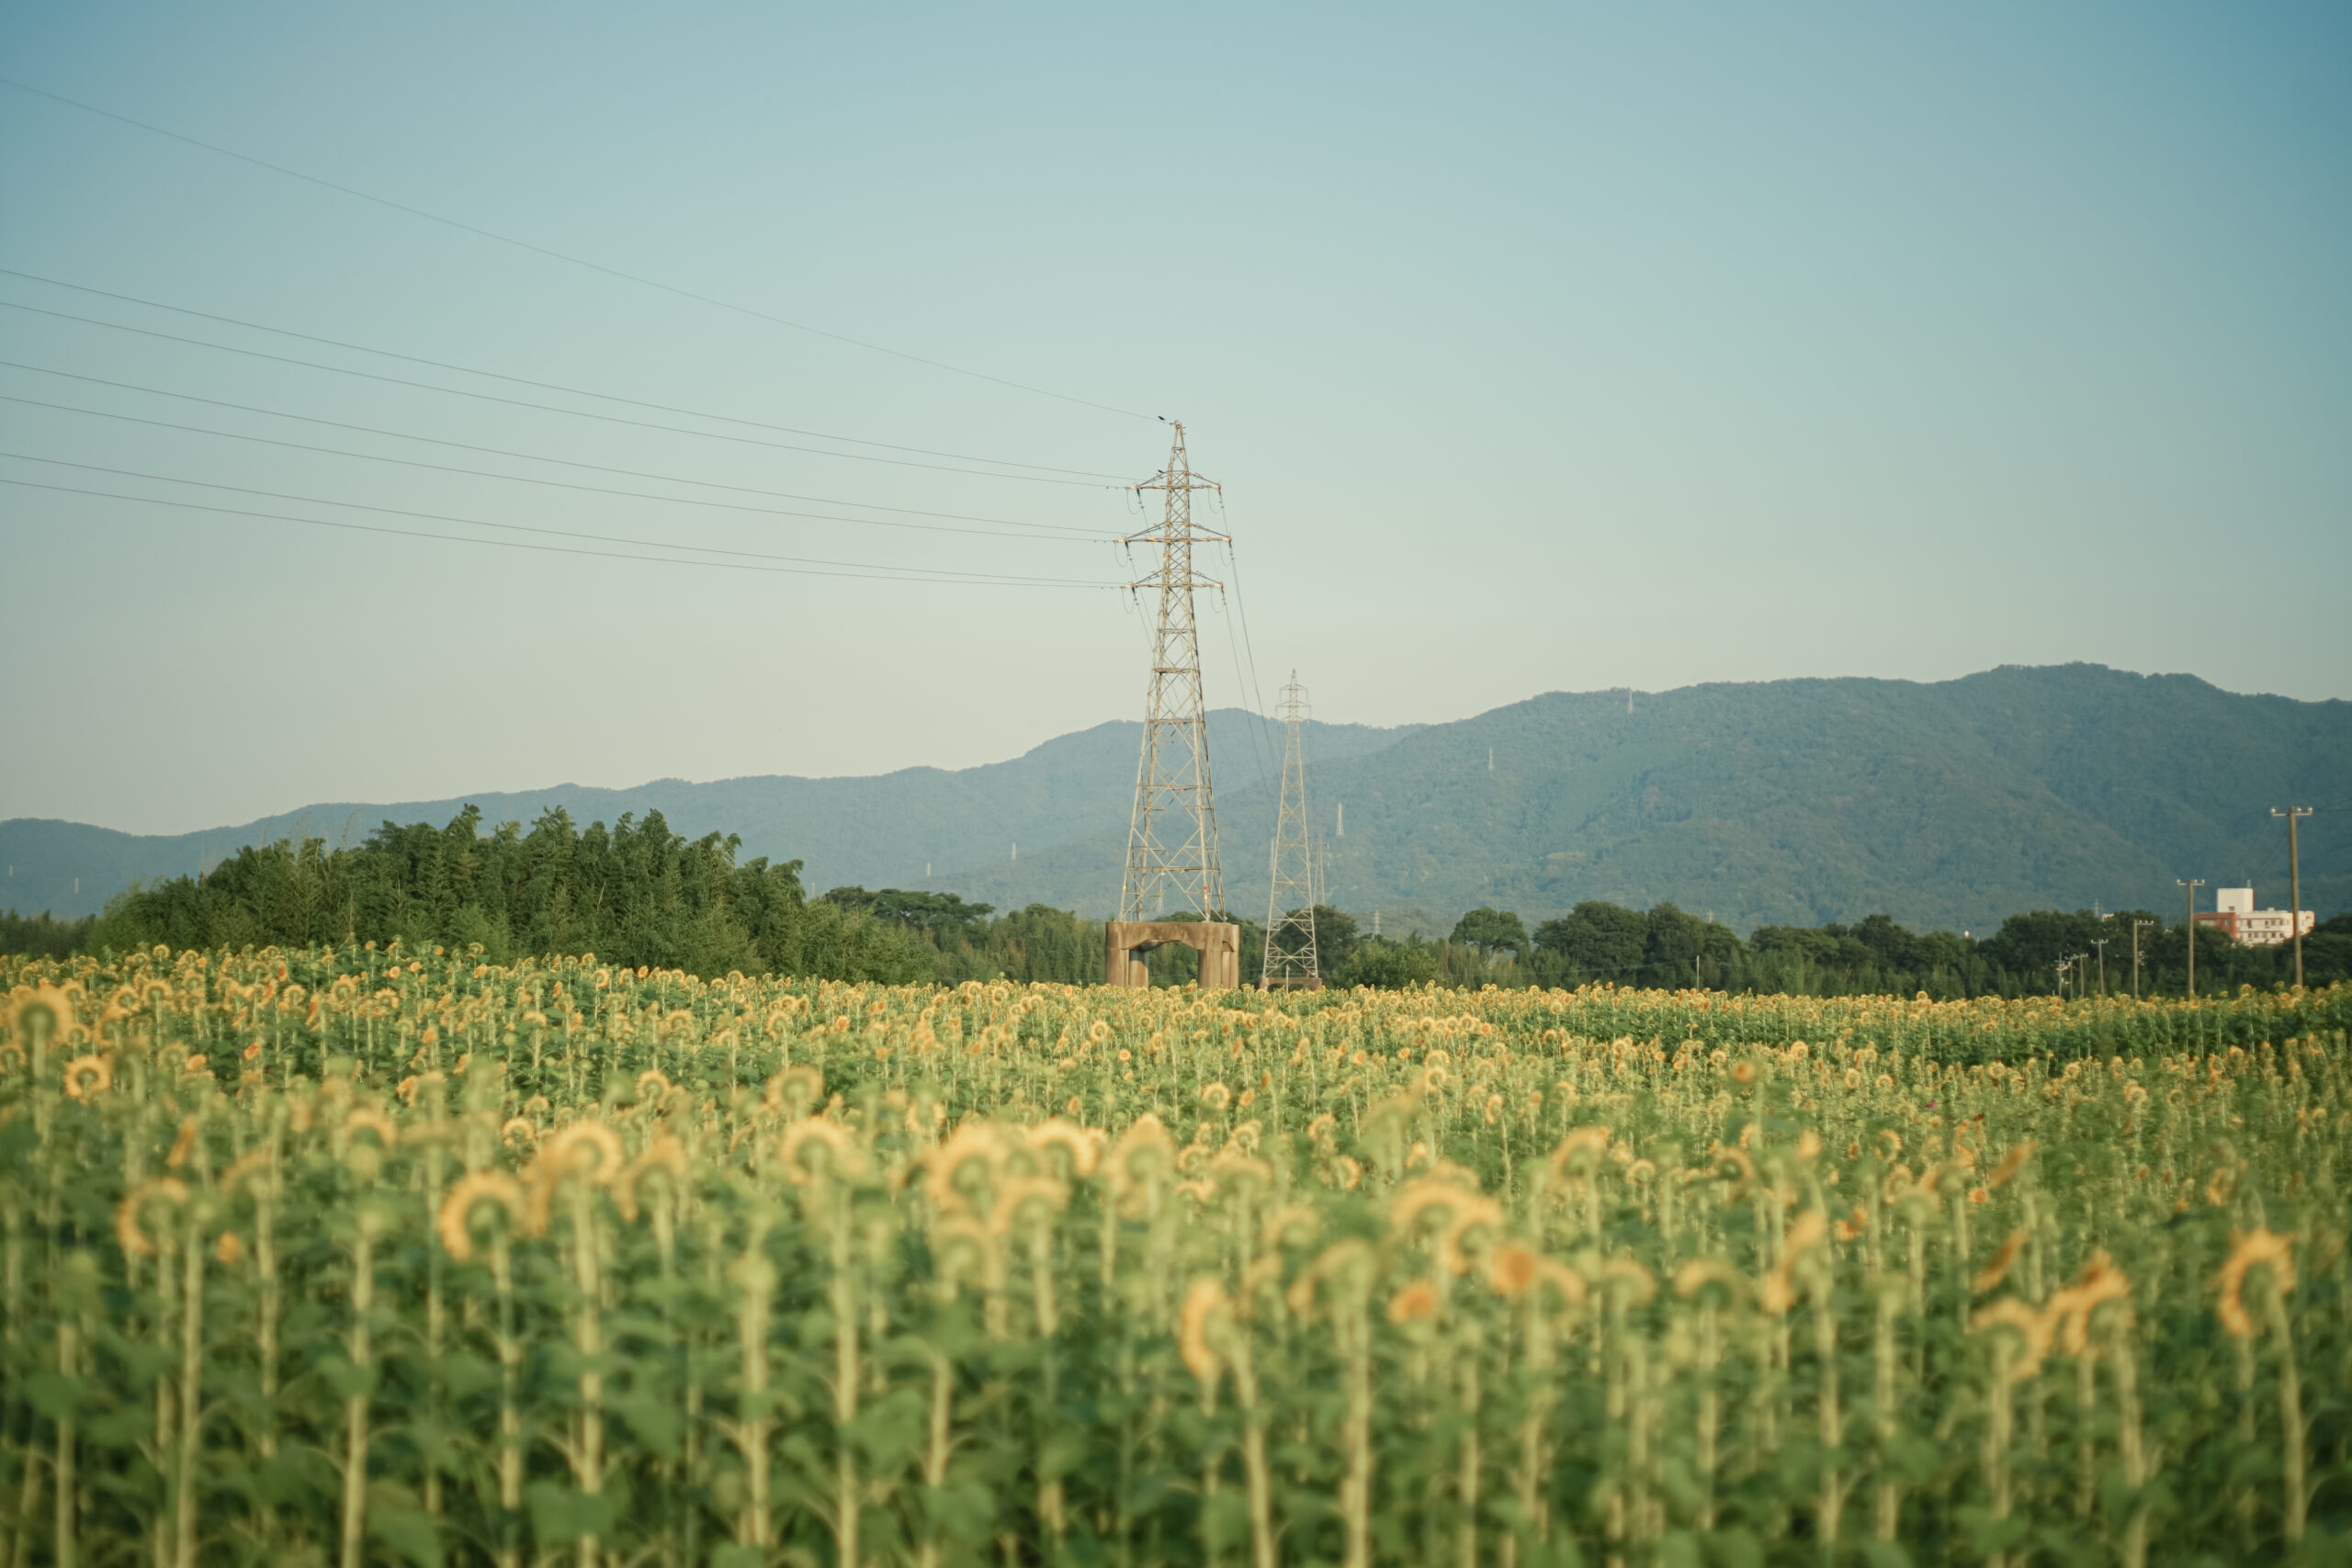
[(1554, 347)]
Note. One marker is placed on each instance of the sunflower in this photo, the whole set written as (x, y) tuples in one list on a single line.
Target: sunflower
[(1510, 1268), (1414, 1302), (44, 1003), (841, 1156), (456, 1219), (1698, 1274), (86, 1078), (1998, 1270), (2249, 1249), (135, 1242), (2101, 1282), (664, 1158), (1205, 1298), (2011, 1163), (2033, 1329)]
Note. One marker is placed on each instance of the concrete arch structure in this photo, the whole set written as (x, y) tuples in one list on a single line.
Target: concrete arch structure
[(1131, 943)]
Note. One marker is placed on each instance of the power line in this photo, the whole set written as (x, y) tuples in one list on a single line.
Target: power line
[(1253, 697), (880, 574), (516, 380), (1241, 610), (550, 408), (514, 527), (560, 255), (1256, 751), (1043, 530)]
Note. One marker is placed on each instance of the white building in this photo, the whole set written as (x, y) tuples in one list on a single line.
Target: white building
[(2234, 913)]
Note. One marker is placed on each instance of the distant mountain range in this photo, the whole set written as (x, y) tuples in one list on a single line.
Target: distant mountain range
[(1946, 804)]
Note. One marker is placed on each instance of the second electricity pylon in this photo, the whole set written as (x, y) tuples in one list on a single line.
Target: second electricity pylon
[(1172, 841), (1289, 959)]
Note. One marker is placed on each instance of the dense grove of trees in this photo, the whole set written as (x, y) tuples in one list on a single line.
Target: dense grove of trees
[(638, 894), (44, 935), (635, 893)]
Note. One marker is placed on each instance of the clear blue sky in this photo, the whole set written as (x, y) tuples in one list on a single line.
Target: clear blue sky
[(1539, 348)]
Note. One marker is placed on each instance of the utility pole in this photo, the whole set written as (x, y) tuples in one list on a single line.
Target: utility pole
[(2062, 966), (2137, 927), (2192, 885), (2100, 943), (1290, 958), (1172, 839), (2294, 814)]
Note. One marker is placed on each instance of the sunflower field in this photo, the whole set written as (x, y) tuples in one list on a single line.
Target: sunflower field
[(360, 1257)]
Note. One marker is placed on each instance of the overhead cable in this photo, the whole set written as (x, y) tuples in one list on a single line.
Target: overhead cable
[(516, 527), (883, 574), (560, 255), (1038, 530), (551, 408), (1234, 561), (553, 484), (514, 380)]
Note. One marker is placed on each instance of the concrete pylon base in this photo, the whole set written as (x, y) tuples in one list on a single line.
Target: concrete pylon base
[(1131, 942)]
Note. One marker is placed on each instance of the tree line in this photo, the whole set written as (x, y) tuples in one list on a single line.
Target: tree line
[(638, 893), (2041, 951), (1661, 946)]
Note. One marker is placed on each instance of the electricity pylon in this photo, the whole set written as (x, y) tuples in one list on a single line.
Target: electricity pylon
[(1171, 841), (1289, 959)]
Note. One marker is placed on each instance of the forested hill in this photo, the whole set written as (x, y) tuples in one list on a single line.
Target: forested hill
[(1946, 805)]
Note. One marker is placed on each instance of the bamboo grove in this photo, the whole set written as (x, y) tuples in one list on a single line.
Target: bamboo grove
[(355, 1256)]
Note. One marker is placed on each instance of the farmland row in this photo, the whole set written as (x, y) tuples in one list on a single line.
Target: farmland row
[(356, 1256)]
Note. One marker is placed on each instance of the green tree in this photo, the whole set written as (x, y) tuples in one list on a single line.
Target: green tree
[(635, 893), (1390, 966), (937, 914), (1679, 949), (44, 935), (1337, 938), (1491, 931), (1596, 940)]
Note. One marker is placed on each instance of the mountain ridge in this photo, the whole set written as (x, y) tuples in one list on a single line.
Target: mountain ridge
[(1084, 778), (1944, 804)]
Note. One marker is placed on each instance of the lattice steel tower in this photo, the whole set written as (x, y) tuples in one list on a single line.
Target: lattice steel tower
[(1290, 958), (1171, 843)]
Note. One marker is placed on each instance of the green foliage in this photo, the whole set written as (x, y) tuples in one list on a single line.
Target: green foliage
[(1491, 930), (641, 893), (1337, 938), (1597, 940), (1387, 964), (44, 935), (637, 893), (1037, 945), (936, 913)]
